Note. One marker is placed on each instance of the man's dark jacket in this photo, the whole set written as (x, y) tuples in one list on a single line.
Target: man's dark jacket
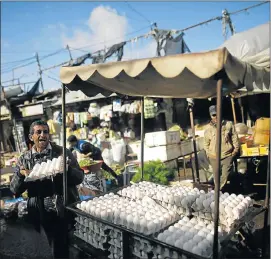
[(39, 190)]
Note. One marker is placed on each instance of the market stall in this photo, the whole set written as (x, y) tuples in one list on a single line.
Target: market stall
[(198, 75)]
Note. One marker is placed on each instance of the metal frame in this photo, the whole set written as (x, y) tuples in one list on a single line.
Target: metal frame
[(218, 162)]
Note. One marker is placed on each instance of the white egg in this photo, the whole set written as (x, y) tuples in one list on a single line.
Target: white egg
[(189, 235), (197, 238), (188, 246), (161, 237), (202, 233), (197, 250)]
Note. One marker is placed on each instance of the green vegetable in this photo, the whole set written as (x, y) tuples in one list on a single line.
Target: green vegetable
[(86, 162), (156, 172)]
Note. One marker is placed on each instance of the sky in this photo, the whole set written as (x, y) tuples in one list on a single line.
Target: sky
[(47, 28)]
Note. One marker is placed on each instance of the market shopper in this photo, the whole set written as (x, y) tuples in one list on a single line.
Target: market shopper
[(45, 197), (229, 145), (89, 151)]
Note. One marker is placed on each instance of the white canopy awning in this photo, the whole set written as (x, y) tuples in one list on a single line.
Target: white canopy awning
[(192, 75), (81, 97)]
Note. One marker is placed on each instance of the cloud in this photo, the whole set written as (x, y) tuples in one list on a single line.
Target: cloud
[(105, 27)]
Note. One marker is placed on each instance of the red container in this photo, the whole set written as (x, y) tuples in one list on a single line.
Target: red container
[(94, 167)]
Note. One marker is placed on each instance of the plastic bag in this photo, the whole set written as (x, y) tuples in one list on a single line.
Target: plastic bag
[(107, 155), (22, 209), (241, 128), (119, 151)]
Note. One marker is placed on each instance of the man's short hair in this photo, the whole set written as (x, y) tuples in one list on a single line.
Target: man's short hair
[(72, 138), (37, 123)]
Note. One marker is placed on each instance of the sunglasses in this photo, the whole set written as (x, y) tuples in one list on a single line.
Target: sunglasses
[(213, 115), (38, 132)]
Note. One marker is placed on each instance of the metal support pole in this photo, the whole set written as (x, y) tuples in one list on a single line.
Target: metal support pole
[(266, 205), (40, 71), (242, 109), (194, 142), (65, 193), (142, 138), (16, 133), (13, 77), (217, 166), (70, 54), (233, 111)]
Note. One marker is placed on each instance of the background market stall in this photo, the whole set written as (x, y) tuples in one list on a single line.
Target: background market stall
[(197, 75)]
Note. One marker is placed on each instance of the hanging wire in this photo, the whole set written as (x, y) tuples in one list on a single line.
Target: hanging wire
[(96, 44), (137, 12), (141, 36), (17, 61)]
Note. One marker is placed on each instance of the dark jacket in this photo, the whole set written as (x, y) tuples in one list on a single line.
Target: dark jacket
[(41, 189)]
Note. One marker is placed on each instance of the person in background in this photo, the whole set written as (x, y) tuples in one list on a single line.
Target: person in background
[(229, 145), (89, 151), (45, 197)]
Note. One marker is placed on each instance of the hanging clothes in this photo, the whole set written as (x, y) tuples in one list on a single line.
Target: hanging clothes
[(115, 48), (79, 61), (160, 36), (176, 45), (77, 118), (97, 59)]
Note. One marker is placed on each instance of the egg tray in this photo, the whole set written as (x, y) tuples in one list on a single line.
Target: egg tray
[(178, 209), (126, 233), (129, 233), (147, 249), (226, 227), (27, 179)]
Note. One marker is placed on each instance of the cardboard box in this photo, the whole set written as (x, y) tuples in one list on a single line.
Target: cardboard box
[(249, 151), (264, 150), (186, 147), (163, 153), (162, 138)]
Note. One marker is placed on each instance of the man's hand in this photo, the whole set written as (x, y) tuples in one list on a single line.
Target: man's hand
[(24, 172), (87, 155)]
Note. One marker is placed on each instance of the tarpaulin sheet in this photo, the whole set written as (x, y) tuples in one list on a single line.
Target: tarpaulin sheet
[(192, 75)]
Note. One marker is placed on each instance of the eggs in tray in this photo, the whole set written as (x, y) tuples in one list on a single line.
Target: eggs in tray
[(46, 169)]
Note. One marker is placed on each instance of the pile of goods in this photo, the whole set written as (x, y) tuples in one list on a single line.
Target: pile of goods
[(177, 198), (92, 232), (46, 169), (86, 163), (195, 236), (151, 209), (231, 207), (143, 216)]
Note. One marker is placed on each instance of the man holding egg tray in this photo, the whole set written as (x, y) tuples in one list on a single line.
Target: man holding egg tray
[(39, 172), (229, 145)]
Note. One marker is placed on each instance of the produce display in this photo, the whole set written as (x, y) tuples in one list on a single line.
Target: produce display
[(195, 236), (46, 169), (231, 207), (144, 216), (86, 162), (158, 212), (177, 198), (156, 172)]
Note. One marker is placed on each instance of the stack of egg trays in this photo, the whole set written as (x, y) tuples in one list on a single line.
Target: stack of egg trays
[(141, 248), (156, 244), (92, 232), (116, 244), (209, 216), (179, 210)]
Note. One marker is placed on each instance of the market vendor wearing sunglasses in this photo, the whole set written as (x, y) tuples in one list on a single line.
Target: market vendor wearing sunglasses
[(229, 145), (45, 197)]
